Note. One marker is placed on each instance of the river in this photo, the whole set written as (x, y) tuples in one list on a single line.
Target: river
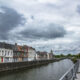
[(52, 71)]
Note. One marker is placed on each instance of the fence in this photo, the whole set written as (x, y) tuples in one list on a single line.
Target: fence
[(71, 73)]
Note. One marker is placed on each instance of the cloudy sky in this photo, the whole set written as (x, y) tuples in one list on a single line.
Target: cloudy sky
[(43, 24)]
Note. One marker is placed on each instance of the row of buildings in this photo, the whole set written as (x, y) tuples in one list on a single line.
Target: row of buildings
[(18, 53)]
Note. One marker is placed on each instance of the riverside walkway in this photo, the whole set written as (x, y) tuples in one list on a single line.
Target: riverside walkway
[(78, 73)]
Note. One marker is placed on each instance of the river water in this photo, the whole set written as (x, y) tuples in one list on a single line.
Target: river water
[(52, 71)]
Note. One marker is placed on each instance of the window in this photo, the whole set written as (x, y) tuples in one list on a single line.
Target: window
[(2, 52), (11, 52), (8, 52), (5, 53)]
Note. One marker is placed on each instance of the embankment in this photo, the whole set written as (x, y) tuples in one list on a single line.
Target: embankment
[(22, 65)]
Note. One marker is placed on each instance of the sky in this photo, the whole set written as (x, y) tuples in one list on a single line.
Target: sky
[(42, 24)]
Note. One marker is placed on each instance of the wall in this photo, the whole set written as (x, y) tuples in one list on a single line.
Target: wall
[(6, 55), (21, 65), (31, 54)]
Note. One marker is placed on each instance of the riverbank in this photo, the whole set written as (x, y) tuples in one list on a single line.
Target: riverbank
[(22, 65), (51, 71)]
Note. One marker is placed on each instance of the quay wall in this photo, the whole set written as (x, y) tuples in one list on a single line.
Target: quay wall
[(22, 65)]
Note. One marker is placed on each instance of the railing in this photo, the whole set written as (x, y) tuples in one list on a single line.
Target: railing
[(71, 74)]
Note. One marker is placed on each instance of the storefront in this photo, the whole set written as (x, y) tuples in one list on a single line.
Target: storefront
[(1, 59)]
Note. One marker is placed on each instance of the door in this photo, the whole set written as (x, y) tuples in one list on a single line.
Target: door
[(2, 59)]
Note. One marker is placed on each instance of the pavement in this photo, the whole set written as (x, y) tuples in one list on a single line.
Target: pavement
[(78, 73)]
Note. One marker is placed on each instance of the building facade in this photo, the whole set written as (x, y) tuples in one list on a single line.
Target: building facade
[(20, 53), (31, 54), (6, 53), (50, 55), (41, 55)]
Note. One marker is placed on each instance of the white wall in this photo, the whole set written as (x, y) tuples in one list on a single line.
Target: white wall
[(31, 54), (7, 54)]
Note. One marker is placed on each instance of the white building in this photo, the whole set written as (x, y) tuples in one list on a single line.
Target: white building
[(31, 54), (6, 53)]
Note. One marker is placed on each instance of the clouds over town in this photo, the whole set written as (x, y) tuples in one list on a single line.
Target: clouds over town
[(43, 24)]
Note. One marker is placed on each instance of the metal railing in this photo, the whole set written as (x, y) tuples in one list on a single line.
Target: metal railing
[(71, 73)]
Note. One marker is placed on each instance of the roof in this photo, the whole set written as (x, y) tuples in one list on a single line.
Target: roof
[(21, 48), (15, 47), (6, 45), (31, 48), (42, 53)]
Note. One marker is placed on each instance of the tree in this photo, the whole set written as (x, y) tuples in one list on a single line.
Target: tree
[(69, 55)]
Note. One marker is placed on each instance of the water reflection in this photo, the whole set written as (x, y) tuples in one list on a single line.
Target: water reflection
[(52, 71)]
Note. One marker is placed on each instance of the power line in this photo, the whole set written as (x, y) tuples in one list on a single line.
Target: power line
[(66, 50)]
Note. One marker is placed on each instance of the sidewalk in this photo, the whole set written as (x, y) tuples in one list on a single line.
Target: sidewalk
[(78, 74)]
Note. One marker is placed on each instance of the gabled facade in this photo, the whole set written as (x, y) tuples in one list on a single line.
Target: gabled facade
[(31, 54), (25, 49), (24, 53), (20, 53)]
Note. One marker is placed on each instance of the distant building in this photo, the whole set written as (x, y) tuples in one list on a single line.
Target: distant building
[(50, 55), (6, 52), (20, 53), (25, 49), (41, 55), (24, 53), (31, 54)]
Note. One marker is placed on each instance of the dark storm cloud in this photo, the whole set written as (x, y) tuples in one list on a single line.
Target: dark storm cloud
[(9, 19), (47, 32)]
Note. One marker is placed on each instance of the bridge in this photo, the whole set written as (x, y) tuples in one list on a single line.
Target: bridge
[(73, 73)]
